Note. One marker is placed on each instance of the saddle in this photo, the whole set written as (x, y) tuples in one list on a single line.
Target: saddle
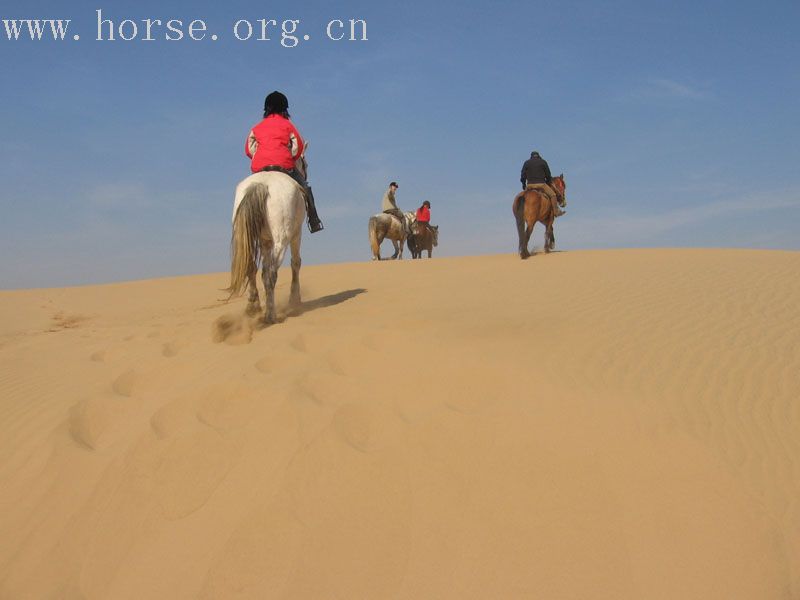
[(290, 172)]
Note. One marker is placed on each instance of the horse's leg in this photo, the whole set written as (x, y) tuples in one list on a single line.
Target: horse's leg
[(396, 249), (252, 302), (521, 221), (549, 239), (552, 237), (530, 224), (294, 295), (269, 275)]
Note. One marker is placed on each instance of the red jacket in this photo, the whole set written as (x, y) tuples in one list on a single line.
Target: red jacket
[(423, 214), (274, 142)]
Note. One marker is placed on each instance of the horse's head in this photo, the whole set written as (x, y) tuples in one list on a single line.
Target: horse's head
[(435, 229), (561, 187)]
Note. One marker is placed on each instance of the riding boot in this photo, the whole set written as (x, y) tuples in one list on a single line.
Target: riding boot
[(314, 224)]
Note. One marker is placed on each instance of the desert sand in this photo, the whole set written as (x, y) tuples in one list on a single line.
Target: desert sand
[(587, 424)]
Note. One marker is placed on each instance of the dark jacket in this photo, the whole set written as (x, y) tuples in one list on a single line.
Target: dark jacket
[(535, 170)]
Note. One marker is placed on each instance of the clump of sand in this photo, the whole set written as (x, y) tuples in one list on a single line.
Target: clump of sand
[(604, 424)]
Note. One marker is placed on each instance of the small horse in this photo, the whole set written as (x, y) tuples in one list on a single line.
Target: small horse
[(383, 226), (423, 238), (268, 213), (531, 206)]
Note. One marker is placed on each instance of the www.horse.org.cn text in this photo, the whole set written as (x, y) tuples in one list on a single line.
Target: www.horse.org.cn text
[(287, 32)]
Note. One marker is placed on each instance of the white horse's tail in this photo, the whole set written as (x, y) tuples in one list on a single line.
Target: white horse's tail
[(373, 236), (246, 237)]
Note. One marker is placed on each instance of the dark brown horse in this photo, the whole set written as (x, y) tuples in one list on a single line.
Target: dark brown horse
[(423, 238), (531, 206)]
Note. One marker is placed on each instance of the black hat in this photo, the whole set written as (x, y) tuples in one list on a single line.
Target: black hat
[(394, 183), (426, 203), (535, 153), (276, 103)]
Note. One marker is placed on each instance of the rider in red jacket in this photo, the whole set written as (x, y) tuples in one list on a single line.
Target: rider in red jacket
[(424, 213), (275, 145)]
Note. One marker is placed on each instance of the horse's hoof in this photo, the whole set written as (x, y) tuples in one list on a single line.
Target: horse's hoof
[(252, 309)]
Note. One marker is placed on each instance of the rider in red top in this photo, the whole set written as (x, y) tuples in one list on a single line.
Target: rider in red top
[(275, 145), (424, 213)]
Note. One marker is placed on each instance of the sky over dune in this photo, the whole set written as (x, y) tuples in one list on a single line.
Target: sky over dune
[(674, 124)]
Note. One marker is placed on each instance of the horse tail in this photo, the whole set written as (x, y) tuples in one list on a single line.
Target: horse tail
[(373, 236), (518, 209), (246, 238)]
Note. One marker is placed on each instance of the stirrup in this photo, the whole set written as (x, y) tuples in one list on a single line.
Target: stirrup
[(315, 227)]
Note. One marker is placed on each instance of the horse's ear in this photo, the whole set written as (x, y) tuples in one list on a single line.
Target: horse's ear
[(562, 176)]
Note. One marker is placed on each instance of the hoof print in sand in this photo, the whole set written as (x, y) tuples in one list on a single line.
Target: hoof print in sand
[(90, 419), (63, 320), (233, 330), (125, 384), (352, 424), (299, 344), (169, 350)]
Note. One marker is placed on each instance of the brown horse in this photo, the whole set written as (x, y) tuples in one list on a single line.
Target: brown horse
[(423, 238), (531, 206)]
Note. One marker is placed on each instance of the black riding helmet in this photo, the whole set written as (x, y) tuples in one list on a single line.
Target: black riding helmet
[(276, 103)]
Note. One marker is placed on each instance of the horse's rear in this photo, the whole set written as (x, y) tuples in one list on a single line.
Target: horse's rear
[(269, 209), (383, 226), (423, 238), (532, 206)]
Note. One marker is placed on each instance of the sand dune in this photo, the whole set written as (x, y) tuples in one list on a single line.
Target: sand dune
[(602, 424)]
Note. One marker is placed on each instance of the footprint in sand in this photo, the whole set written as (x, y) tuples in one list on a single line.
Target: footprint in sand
[(302, 395), (233, 330), (62, 320), (271, 364), (265, 365), (124, 384), (336, 365), (90, 420), (299, 344), (352, 424), (230, 406), (173, 417)]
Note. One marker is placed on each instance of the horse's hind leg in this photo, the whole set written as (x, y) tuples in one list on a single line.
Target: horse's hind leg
[(269, 274), (528, 232), (549, 238), (294, 296), (252, 302), (524, 236)]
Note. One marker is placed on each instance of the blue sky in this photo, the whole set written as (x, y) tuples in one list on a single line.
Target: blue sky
[(675, 123)]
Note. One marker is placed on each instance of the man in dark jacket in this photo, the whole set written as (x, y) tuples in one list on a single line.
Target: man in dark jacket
[(536, 176)]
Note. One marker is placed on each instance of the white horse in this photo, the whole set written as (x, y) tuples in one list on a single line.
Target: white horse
[(268, 213), (382, 226)]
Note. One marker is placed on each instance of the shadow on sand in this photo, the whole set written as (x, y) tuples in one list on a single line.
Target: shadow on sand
[(325, 301), (235, 329)]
